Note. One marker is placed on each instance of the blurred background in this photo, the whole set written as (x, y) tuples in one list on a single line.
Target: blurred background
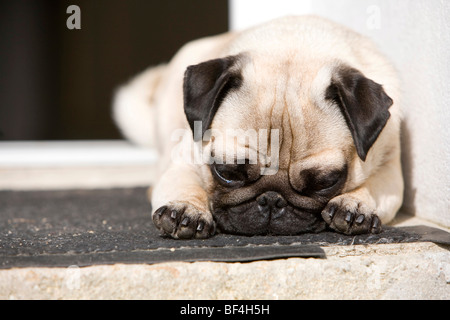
[(57, 84)]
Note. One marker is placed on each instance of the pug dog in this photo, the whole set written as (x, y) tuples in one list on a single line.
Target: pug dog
[(319, 108)]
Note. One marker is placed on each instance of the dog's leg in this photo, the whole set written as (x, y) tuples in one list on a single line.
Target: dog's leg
[(365, 208), (180, 204)]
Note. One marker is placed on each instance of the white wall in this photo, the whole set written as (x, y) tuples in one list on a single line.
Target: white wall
[(415, 35), (246, 13)]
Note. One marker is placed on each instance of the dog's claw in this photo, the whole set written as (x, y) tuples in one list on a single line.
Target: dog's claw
[(348, 217), (331, 212), (360, 219), (160, 211), (185, 221), (376, 224), (200, 226)]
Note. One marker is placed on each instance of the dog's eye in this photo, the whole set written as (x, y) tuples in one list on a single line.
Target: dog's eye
[(322, 184), (228, 175), (234, 175), (328, 181)]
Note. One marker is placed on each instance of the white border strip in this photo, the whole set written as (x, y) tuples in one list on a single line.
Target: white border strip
[(247, 13), (74, 154)]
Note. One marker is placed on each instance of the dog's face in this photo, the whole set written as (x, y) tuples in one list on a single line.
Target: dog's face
[(324, 117)]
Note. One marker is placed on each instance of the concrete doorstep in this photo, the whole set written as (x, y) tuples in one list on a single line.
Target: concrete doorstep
[(383, 271), (413, 270)]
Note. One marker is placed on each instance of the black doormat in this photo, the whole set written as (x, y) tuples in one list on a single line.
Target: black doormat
[(107, 226)]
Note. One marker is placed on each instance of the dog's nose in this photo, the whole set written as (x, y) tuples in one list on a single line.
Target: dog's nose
[(271, 199)]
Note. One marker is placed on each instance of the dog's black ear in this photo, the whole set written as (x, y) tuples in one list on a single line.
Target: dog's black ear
[(364, 105), (205, 86)]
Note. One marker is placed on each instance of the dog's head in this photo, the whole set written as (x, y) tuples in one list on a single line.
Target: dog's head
[(282, 136)]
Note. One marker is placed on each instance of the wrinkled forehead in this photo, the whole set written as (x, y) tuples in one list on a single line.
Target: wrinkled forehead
[(278, 113), (268, 147)]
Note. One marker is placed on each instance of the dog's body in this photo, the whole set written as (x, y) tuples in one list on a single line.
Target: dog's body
[(325, 89)]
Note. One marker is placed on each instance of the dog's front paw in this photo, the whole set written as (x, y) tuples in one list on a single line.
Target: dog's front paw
[(182, 220), (351, 216)]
